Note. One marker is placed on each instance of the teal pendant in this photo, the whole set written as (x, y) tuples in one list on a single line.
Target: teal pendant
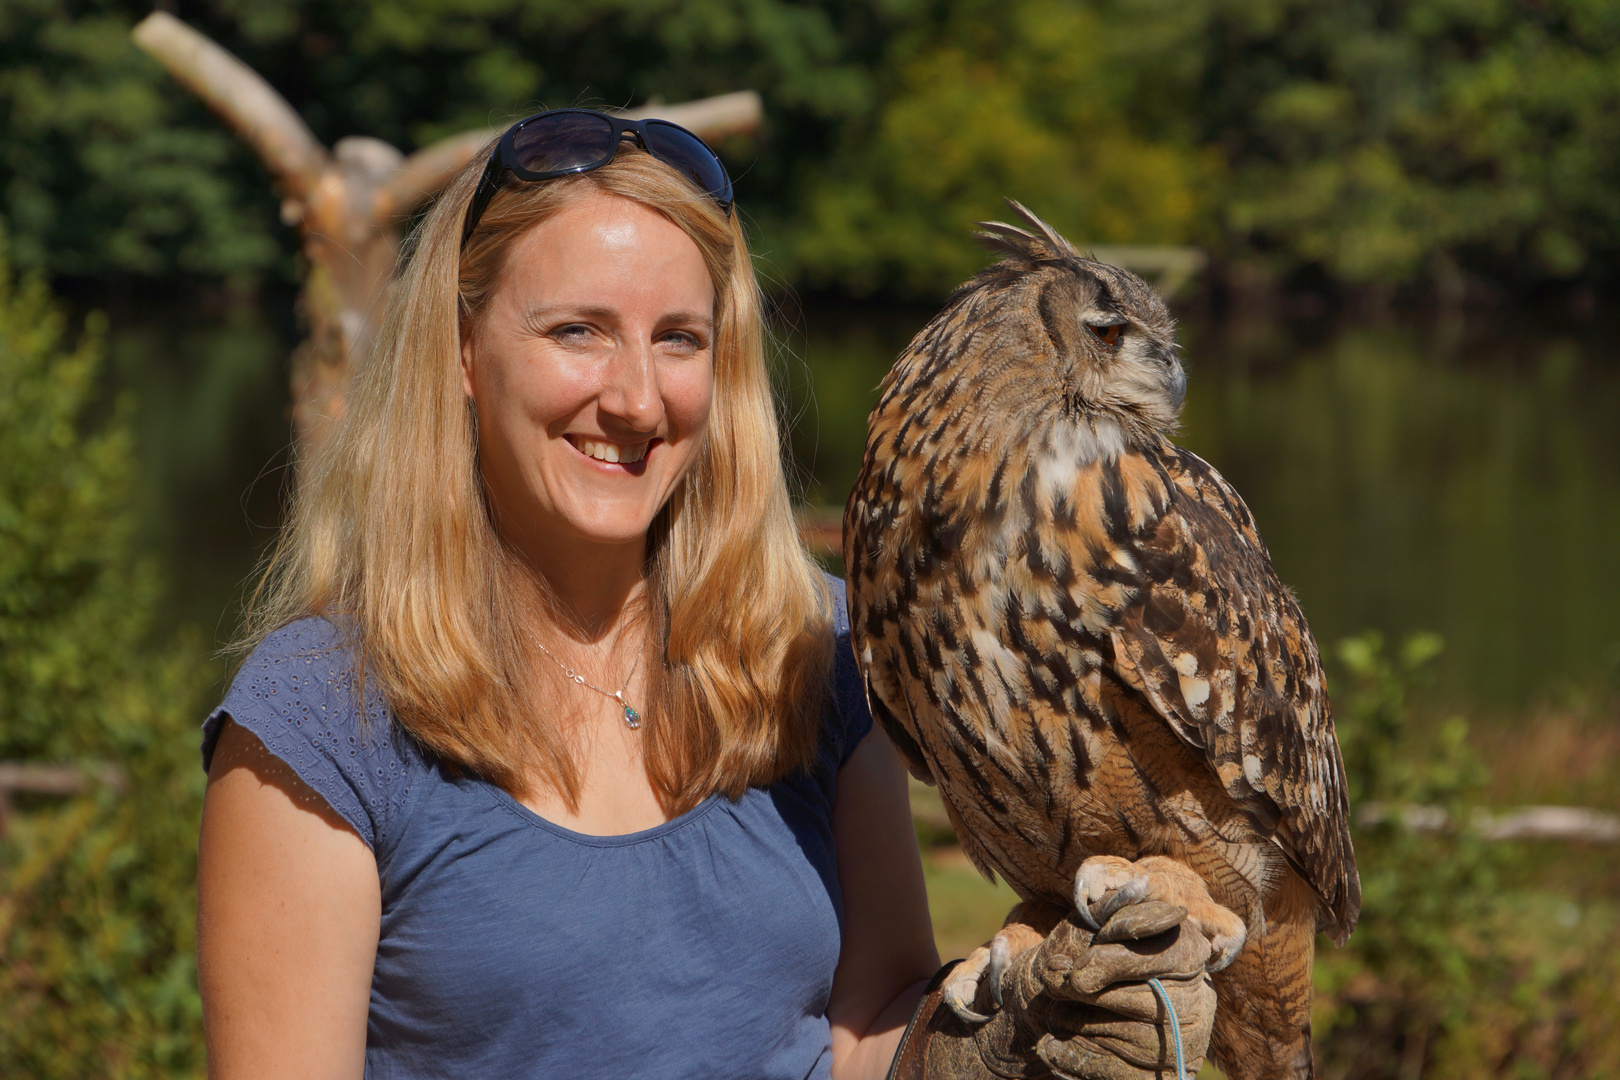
[(631, 717)]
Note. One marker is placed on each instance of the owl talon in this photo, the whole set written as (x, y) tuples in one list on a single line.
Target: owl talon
[(967, 1014), (1097, 877), (1000, 956), (962, 986), (1132, 892)]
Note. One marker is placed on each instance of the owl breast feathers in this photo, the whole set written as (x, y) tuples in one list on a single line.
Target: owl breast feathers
[(1070, 624)]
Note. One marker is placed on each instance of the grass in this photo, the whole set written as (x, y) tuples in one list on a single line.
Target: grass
[(965, 907)]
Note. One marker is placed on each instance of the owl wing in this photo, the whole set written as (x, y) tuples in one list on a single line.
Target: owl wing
[(1218, 646)]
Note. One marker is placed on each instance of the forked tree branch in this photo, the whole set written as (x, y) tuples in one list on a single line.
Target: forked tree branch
[(348, 203), (240, 97), (711, 118), (424, 173)]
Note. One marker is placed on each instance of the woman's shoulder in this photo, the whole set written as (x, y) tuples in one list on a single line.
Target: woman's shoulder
[(301, 693), (848, 690), (309, 636), (838, 592), (298, 671)]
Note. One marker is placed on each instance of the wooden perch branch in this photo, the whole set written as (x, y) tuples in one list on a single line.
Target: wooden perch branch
[(710, 119), (28, 778), (821, 529), (239, 96), (1170, 268), (1569, 823), (424, 173), (1525, 823), (348, 204)]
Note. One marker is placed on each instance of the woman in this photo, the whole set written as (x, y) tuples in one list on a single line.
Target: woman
[(551, 758)]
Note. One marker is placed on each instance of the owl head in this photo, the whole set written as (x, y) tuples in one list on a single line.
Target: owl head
[(1112, 356)]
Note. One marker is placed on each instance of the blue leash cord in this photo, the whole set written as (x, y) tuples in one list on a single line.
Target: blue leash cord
[(1175, 1027)]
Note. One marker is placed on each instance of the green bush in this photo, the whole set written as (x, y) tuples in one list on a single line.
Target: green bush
[(97, 893), (1461, 966)]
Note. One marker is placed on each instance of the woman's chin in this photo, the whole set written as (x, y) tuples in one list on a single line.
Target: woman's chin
[(611, 530)]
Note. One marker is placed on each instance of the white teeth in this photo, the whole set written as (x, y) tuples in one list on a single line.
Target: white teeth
[(612, 452)]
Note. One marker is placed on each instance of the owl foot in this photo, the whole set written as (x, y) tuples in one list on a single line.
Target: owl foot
[(1104, 884), (1026, 926)]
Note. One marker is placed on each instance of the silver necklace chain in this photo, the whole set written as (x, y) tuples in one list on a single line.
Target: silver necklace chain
[(632, 719)]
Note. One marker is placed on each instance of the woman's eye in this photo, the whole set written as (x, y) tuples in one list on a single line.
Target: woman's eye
[(681, 341), (577, 336)]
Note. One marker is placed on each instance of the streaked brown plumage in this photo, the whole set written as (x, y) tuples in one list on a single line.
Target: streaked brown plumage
[(1072, 627)]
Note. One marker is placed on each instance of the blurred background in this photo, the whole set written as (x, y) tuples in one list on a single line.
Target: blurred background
[(1392, 233)]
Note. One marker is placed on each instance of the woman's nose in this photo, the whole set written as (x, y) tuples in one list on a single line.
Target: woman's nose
[(630, 391)]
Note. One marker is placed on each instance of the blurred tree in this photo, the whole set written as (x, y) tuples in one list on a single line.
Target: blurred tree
[(1040, 100), (1382, 141), (1386, 140), (96, 895), (107, 169)]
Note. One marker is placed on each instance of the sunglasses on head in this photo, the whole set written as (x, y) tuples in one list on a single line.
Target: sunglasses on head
[(563, 142)]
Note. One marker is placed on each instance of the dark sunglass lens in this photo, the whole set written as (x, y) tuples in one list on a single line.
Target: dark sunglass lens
[(559, 142), (681, 149)]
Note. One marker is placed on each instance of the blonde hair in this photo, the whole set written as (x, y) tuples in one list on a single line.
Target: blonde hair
[(390, 535)]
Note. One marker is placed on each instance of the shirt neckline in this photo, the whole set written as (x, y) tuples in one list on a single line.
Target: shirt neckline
[(680, 821)]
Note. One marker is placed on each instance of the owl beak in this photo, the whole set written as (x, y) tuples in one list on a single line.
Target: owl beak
[(1175, 385)]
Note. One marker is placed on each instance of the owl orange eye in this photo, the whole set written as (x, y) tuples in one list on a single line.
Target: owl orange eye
[(1109, 334)]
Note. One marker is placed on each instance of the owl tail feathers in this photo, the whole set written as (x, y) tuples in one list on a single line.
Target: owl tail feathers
[(1021, 244)]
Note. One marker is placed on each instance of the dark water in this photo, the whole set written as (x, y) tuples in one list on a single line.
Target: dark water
[(1456, 477), (1459, 477), (212, 434)]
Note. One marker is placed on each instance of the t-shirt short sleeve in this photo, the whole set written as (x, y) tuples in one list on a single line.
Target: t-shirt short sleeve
[(297, 694), (848, 690)]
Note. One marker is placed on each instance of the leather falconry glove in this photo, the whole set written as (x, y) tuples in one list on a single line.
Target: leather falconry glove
[(1077, 1006)]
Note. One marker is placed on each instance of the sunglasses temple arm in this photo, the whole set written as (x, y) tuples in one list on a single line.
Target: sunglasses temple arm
[(487, 185)]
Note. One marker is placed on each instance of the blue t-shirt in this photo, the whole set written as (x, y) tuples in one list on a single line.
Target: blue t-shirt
[(513, 947)]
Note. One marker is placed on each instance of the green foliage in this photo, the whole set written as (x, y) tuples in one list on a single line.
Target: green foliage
[(1460, 967), (1386, 140), (1373, 736), (96, 893), (106, 166), (1425, 896), (1382, 141), (998, 101)]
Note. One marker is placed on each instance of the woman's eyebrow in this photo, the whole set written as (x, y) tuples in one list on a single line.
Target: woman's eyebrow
[(539, 315), (546, 314)]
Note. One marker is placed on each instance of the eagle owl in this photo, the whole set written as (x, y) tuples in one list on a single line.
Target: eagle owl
[(1071, 626)]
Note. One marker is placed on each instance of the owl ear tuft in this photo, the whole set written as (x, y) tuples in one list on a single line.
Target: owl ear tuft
[(1021, 244), (1002, 239)]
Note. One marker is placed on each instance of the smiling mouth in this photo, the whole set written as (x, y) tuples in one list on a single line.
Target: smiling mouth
[(612, 453)]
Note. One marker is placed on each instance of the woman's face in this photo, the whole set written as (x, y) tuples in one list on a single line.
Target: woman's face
[(592, 368)]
